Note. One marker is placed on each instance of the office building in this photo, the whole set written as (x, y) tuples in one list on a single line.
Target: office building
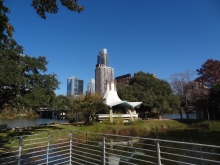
[(74, 86), (80, 87), (103, 75), (124, 79), (91, 86), (103, 57)]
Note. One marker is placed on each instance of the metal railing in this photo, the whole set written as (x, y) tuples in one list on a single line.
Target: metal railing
[(75, 147)]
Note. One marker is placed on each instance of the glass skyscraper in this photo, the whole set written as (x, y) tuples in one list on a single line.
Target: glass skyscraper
[(91, 86), (74, 86), (103, 57)]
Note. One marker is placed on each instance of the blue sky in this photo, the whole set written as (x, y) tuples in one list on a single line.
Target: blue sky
[(155, 36)]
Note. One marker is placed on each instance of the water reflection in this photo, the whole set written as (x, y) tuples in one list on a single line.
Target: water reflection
[(29, 122)]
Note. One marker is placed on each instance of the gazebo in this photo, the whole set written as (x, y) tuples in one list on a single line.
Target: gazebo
[(112, 99)]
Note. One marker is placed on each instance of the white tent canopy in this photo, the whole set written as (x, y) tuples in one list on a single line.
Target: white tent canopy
[(112, 98)]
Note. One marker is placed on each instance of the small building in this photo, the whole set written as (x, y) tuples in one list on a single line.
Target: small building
[(124, 79)]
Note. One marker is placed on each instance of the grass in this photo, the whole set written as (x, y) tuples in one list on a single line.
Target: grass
[(184, 130)]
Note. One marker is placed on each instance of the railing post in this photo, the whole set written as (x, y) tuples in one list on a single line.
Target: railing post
[(71, 140), (48, 147), (103, 149), (158, 153), (86, 147), (19, 150)]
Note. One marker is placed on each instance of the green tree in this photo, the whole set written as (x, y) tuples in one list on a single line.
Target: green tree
[(23, 82), (214, 98), (42, 7), (51, 6), (155, 94), (87, 107)]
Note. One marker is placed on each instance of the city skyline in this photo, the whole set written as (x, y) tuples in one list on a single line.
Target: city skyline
[(160, 37)]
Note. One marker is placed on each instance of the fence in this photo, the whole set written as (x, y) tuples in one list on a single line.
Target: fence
[(76, 147)]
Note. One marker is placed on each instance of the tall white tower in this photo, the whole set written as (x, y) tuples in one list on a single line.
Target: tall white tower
[(103, 74)]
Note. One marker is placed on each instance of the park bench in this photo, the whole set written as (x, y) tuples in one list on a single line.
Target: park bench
[(126, 117), (3, 126)]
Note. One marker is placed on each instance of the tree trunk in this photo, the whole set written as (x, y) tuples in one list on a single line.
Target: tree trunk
[(181, 115), (186, 110)]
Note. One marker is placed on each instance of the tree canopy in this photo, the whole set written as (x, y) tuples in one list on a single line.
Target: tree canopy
[(215, 100), (23, 82), (41, 6), (155, 94), (209, 73)]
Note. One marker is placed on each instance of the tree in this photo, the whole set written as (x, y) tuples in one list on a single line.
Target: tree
[(188, 90), (41, 7), (214, 98), (182, 84), (209, 73), (155, 94), (23, 82), (87, 107), (51, 6)]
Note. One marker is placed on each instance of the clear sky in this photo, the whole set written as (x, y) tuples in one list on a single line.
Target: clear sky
[(155, 36)]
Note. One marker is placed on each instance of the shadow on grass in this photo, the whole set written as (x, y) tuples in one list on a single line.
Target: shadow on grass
[(193, 135), (7, 136)]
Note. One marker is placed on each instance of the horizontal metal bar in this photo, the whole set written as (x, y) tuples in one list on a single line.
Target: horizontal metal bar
[(35, 143), (120, 161), (34, 139), (125, 158), (77, 163), (87, 144), (131, 153), (189, 157), (8, 157), (151, 139), (59, 143), (84, 160), (198, 151), (87, 153), (177, 161), (8, 162), (86, 157), (89, 149), (10, 152)]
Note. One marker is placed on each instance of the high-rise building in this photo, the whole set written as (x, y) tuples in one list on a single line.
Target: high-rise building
[(91, 86), (80, 87), (74, 86), (103, 57), (103, 74), (124, 79)]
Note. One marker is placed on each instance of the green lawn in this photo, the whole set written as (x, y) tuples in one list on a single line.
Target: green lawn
[(194, 131)]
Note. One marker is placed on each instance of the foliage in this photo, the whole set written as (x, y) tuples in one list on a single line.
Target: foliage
[(209, 73), (87, 106), (23, 82), (41, 7), (51, 6), (187, 89), (6, 28), (61, 103), (214, 98), (155, 94)]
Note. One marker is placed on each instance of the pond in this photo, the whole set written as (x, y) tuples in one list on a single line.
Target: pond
[(177, 116), (29, 122), (38, 121)]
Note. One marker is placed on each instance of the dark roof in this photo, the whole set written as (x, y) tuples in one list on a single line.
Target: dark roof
[(123, 76)]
